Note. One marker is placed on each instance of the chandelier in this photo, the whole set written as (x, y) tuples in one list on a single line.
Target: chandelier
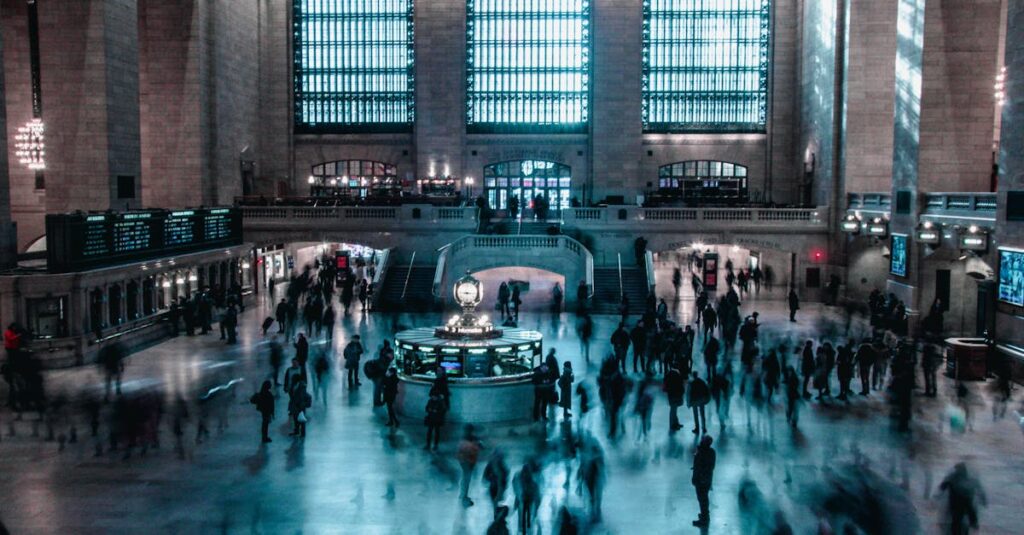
[(29, 145)]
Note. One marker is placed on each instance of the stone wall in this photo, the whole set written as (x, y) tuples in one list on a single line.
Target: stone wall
[(8, 243), (613, 158)]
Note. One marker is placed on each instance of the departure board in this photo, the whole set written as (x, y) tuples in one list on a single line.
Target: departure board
[(96, 242), (81, 241), (180, 228)]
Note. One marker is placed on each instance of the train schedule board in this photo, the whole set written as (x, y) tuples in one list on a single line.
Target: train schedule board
[(82, 241)]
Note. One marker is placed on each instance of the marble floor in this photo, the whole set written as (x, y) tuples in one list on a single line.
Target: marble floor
[(352, 474)]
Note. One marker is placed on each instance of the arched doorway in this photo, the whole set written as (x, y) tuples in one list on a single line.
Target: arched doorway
[(703, 182), (354, 178), (536, 287), (526, 179)]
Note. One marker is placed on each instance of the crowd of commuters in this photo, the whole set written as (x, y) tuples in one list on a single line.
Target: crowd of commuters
[(721, 358)]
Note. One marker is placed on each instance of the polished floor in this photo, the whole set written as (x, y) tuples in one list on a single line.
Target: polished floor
[(353, 475)]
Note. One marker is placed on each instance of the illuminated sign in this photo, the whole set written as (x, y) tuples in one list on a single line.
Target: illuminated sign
[(929, 236), (851, 226), (974, 242)]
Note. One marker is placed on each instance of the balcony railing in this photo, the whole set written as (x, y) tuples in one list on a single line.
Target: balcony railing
[(961, 205), (754, 219), (360, 217), (869, 202)]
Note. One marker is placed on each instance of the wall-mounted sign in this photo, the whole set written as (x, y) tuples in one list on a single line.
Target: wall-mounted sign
[(930, 236), (974, 242)]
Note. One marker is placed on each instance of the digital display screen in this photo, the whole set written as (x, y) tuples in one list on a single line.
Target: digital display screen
[(180, 228), (79, 241), (1011, 276), (898, 255), (711, 271)]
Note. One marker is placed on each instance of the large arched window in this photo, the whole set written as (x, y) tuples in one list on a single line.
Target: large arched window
[(704, 181), (705, 65), (353, 178), (526, 179)]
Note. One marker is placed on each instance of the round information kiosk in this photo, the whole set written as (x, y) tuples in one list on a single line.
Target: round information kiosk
[(489, 369)]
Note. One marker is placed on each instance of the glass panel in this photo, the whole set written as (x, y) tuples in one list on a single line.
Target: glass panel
[(741, 170), (705, 65), (691, 168), (702, 169), (353, 64), (528, 63), (727, 169), (716, 169)]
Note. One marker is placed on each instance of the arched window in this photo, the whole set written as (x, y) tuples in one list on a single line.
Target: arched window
[(704, 181), (354, 178), (526, 179)]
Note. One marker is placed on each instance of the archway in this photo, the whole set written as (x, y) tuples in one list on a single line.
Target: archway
[(525, 180), (536, 287)]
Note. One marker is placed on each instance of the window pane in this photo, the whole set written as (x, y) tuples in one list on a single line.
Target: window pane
[(353, 65), (527, 64), (705, 65)]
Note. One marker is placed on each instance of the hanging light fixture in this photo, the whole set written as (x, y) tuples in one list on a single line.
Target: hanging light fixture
[(1000, 87), (30, 146)]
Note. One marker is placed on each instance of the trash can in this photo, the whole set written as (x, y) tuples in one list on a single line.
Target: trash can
[(966, 358)]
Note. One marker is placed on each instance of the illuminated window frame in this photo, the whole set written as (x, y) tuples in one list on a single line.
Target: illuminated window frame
[(527, 69), (690, 89), (353, 70), (526, 179)]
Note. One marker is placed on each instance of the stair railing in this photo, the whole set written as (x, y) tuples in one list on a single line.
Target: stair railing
[(442, 262), (383, 265), (407, 274), (649, 271), (622, 291)]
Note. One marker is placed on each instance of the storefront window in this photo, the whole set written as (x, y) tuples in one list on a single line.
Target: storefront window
[(48, 316)]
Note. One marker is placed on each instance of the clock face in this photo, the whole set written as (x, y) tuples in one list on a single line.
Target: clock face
[(466, 293)]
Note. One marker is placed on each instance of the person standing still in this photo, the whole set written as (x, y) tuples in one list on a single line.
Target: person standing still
[(353, 352), (703, 473), (565, 390), (264, 402), (794, 304)]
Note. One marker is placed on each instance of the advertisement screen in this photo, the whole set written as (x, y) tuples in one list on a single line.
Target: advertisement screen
[(898, 258), (1011, 276)]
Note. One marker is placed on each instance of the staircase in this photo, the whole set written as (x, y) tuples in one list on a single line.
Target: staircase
[(606, 289), (418, 296), (538, 228)]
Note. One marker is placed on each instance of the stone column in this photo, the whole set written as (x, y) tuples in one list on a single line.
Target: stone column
[(8, 240), (440, 50), (1010, 325), (943, 131), (616, 131), (90, 88)]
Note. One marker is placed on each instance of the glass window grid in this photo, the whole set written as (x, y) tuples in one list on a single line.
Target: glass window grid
[(353, 66), (673, 176), (705, 65), (527, 179), (528, 65), (353, 178)]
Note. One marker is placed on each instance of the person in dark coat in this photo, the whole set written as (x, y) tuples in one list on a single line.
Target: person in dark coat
[(173, 316), (675, 387), (703, 474), (328, 322), (807, 366), (794, 304), (865, 358), (638, 335), (281, 315), (503, 298), (496, 477), (434, 418), (710, 317), (353, 352), (389, 387), (565, 390), (620, 344), (844, 368), (699, 395), (264, 402), (516, 301), (297, 405), (541, 376)]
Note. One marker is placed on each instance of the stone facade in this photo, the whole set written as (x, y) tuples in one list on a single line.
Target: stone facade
[(614, 158)]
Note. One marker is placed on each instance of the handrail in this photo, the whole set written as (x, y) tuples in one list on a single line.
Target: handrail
[(407, 273), (649, 271), (622, 291), (442, 261), (590, 276), (383, 264)]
